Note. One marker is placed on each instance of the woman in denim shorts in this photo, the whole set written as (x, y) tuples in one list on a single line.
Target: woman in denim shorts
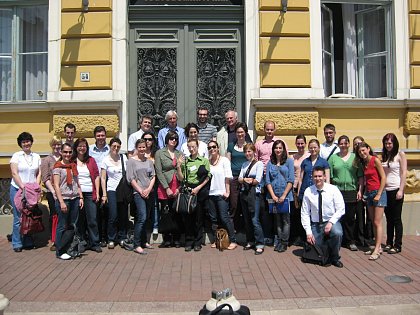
[(375, 196)]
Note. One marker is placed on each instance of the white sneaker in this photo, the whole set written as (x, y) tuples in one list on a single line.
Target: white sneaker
[(155, 231), (111, 245), (65, 256)]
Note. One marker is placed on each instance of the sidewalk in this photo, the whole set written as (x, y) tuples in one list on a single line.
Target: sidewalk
[(173, 281)]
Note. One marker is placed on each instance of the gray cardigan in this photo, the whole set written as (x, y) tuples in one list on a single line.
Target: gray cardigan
[(164, 168)]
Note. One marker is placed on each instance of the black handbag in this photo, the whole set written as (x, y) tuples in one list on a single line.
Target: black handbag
[(167, 221), (186, 202), (315, 254), (124, 189)]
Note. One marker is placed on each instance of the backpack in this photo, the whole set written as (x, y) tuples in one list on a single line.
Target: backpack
[(73, 242), (222, 239)]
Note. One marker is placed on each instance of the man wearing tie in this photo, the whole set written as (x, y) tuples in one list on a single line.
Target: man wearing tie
[(322, 208)]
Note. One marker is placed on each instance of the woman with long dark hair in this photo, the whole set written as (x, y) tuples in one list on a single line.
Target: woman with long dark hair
[(89, 183), (375, 194), (394, 163), (279, 180), (68, 195)]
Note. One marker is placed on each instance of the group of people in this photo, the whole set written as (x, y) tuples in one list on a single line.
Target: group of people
[(277, 198)]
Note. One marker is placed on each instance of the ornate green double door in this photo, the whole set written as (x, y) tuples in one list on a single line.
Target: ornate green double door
[(182, 58)]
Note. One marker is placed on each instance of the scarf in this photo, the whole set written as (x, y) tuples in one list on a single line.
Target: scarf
[(70, 168)]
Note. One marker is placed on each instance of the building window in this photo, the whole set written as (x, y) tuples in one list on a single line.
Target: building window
[(23, 52), (357, 48)]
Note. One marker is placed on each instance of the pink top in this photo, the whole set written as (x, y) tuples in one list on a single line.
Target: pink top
[(264, 148), (297, 161), (373, 181)]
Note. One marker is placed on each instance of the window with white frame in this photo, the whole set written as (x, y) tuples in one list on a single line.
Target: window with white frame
[(23, 52), (357, 48)]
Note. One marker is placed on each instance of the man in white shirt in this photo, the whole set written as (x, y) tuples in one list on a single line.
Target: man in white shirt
[(145, 125), (322, 208), (330, 146)]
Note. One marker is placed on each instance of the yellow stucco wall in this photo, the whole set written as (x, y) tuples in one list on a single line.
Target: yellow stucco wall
[(86, 45), (284, 44)]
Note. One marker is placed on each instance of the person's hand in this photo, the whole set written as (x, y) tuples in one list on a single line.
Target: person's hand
[(281, 199), (176, 193), (376, 199), (169, 192), (145, 193), (275, 199), (328, 228), (81, 202), (310, 239), (181, 160), (359, 196), (63, 207), (226, 195), (195, 191), (104, 199), (400, 195)]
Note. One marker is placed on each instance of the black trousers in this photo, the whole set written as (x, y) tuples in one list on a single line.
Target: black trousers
[(348, 223), (394, 224)]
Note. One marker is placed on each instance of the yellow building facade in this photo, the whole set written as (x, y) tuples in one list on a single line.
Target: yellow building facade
[(291, 69)]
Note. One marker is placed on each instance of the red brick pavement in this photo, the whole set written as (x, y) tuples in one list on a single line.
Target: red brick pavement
[(172, 275)]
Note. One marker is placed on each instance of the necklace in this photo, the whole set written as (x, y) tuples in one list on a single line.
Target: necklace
[(29, 158), (215, 162)]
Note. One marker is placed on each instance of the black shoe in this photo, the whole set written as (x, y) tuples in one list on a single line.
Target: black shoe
[(165, 245), (9, 237), (188, 248), (259, 251), (282, 248), (277, 247), (18, 250), (177, 244), (248, 247), (103, 244), (337, 263), (97, 249), (197, 248)]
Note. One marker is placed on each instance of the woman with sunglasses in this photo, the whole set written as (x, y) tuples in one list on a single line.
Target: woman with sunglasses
[(68, 195), (375, 194), (141, 175), (221, 175), (151, 148), (111, 175), (394, 163), (89, 183), (168, 187)]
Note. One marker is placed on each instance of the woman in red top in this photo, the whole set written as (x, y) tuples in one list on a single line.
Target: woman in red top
[(375, 195)]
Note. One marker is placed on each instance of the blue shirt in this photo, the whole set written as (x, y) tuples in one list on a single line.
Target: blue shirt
[(307, 167), (279, 176), (98, 154), (164, 131)]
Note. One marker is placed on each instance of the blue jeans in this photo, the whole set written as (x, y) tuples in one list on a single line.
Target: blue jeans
[(65, 220), (89, 221), (219, 206), (283, 227), (333, 240), (140, 220), (117, 218), (253, 229), (18, 240)]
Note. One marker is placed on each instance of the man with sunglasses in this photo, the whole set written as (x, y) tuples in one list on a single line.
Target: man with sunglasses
[(146, 124), (171, 118)]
